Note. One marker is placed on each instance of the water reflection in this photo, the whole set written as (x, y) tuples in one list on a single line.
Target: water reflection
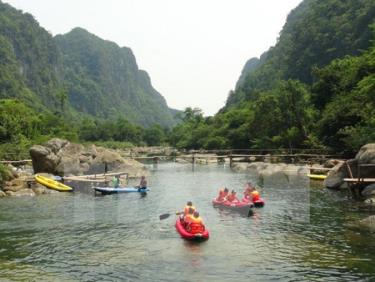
[(300, 234)]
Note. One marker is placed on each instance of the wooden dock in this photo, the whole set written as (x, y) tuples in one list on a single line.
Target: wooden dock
[(20, 162), (357, 183)]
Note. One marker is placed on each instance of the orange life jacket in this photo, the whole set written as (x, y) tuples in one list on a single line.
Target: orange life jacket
[(188, 218), (186, 209), (255, 196)]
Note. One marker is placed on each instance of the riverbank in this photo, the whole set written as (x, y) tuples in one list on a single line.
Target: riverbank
[(59, 157)]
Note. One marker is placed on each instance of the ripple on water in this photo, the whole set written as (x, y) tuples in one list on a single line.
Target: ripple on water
[(300, 234)]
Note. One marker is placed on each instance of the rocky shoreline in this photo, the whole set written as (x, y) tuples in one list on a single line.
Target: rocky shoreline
[(63, 158)]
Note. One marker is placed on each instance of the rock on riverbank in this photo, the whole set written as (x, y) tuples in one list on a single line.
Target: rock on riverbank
[(366, 155), (262, 169), (20, 186), (61, 157)]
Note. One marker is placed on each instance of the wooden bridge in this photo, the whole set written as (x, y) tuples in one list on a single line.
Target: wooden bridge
[(304, 156), (357, 183)]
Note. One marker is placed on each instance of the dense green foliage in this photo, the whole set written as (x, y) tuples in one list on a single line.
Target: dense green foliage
[(314, 89), (77, 74), (21, 127), (74, 86), (316, 32)]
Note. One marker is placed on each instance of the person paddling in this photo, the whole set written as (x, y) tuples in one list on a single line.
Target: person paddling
[(188, 217), (189, 205), (254, 195), (142, 183), (222, 194), (116, 181), (232, 197), (196, 224), (250, 193)]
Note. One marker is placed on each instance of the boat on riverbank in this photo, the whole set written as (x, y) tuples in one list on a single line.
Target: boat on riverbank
[(112, 190), (52, 184), (317, 176), (233, 205)]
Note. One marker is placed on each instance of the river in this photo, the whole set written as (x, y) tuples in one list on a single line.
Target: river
[(300, 235)]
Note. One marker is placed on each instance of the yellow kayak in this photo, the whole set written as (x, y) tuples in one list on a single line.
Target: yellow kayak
[(52, 184), (317, 176)]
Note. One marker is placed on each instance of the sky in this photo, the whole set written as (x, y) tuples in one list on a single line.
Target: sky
[(194, 51)]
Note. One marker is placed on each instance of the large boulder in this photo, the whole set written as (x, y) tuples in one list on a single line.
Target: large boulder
[(366, 223), (61, 157), (335, 177), (366, 154), (263, 169), (21, 193), (44, 160), (369, 191), (353, 168)]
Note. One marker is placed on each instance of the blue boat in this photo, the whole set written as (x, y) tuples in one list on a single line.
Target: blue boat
[(111, 190)]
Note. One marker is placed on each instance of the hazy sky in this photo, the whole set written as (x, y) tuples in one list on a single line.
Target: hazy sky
[(193, 50)]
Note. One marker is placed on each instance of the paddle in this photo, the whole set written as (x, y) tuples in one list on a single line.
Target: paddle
[(166, 215)]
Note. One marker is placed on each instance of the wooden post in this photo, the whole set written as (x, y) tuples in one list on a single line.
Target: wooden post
[(230, 160), (350, 185), (156, 160)]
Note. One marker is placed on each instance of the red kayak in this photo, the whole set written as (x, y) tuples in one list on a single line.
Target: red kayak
[(258, 204), (232, 205), (190, 236)]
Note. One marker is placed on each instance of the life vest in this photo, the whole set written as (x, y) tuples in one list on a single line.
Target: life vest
[(188, 219), (186, 209), (196, 225), (255, 196), (196, 219)]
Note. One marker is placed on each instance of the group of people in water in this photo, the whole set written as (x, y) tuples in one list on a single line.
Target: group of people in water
[(250, 194), (191, 219)]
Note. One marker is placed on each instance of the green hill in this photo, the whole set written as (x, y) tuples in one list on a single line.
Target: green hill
[(104, 81), (77, 73), (313, 89), (315, 33)]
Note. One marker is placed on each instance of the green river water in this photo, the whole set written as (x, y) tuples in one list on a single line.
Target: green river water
[(301, 234)]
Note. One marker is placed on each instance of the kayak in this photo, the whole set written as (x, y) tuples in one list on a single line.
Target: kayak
[(317, 176), (52, 184), (232, 205), (111, 190), (258, 204), (190, 236)]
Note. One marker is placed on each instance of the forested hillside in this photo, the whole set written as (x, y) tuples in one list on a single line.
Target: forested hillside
[(104, 81), (28, 59), (75, 86), (313, 89), (74, 73), (315, 33)]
